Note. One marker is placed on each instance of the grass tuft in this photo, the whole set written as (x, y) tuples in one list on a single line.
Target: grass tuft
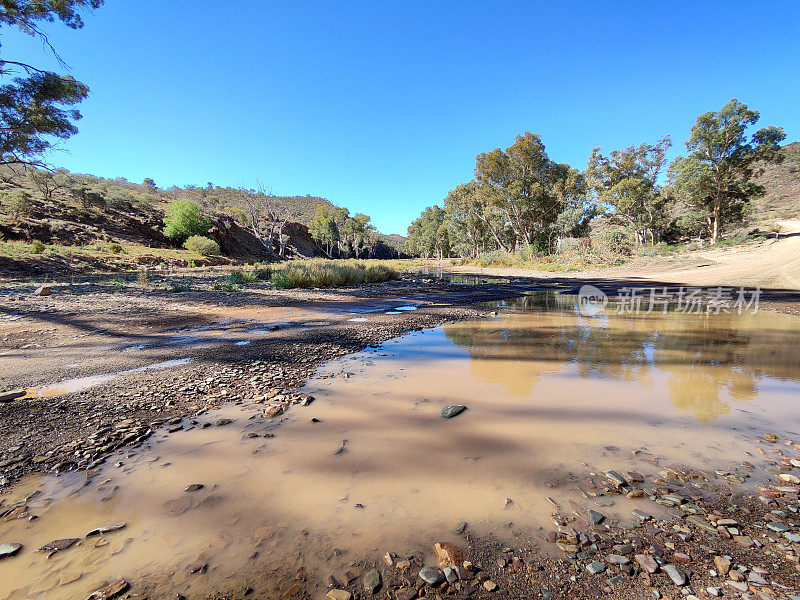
[(331, 273)]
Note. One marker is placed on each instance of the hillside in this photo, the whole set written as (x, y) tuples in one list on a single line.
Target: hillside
[(781, 182), (68, 222)]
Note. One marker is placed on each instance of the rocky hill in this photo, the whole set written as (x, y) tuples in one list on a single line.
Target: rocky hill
[(781, 182), (61, 221)]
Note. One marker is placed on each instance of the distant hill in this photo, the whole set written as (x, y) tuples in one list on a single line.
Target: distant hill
[(782, 184), (92, 223)]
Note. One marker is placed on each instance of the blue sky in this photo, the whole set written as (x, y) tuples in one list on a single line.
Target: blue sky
[(382, 107)]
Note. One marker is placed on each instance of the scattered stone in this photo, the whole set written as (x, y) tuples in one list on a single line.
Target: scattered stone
[(448, 412), (448, 555), (450, 574), (42, 290), (9, 549), (193, 487), (595, 567), (722, 564), (647, 562), (112, 590), (595, 518), (372, 581), (431, 575), (676, 574), (106, 529), (273, 411), (461, 528), (338, 595), (617, 559), (489, 585), (615, 478), (221, 422)]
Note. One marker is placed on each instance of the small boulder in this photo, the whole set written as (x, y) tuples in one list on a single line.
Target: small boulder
[(9, 549), (448, 412), (448, 555)]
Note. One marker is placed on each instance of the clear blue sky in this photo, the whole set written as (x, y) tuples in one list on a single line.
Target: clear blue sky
[(382, 107)]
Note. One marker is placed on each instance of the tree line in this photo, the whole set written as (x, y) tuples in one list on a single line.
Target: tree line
[(523, 201)]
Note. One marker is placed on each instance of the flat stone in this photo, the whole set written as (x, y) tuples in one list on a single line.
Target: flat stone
[(792, 537), (595, 518), (722, 564), (106, 529), (489, 585), (9, 549), (700, 522), (450, 574), (221, 422), (617, 579), (431, 575), (595, 567), (739, 586), (42, 290), (743, 540), (112, 590), (372, 581), (448, 412), (615, 477), (58, 545), (193, 487), (617, 559), (778, 527), (338, 595), (675, 573), (647, 562)]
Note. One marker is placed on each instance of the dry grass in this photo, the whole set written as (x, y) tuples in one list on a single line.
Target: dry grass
[(331, 273)]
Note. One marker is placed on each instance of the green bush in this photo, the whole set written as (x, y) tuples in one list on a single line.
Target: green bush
[(202, 245), (38, 247), (115, 248), (184, 220)]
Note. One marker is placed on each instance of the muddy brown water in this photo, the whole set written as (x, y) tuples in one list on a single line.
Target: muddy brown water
[(550, 394)]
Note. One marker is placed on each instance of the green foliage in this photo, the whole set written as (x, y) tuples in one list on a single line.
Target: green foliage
[(716, 176), (16, 202), (202, 245), (115, 248), (184, 219), (317, 274), (38, 247), (625, 183), (242, 277), (37, 106), (339, 234), (180, 286)]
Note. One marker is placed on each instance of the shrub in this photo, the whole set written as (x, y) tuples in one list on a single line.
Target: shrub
[(184, 220), (202, 245), (38, 246), (182, 286), (115, 248), (256, 274), (17, 203)]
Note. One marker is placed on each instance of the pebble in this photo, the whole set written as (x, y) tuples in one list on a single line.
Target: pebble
[(372, 581), (338, 595), (448, 555), (595, 567), (193, 487), (431, 575), (106, 529), (448, 412), (648, 563), (676, 574), (489, 585), (595, 518)]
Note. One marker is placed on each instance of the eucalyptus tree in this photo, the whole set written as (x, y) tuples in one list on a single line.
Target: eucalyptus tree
[(716, 176), (37, 105), (626, 185)]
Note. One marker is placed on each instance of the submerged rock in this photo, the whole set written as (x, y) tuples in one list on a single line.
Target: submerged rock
[(9, 549), (448, 412), (106, 529), (112, 590), (193, 487)]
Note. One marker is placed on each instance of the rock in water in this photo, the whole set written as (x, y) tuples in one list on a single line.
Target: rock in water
[(58, 545), (10, 549), (448, 412), (448, 555), (112, 590), (372, 581), (106, 529)]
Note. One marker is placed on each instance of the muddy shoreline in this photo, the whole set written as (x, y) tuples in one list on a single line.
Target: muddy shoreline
[(80, 430)]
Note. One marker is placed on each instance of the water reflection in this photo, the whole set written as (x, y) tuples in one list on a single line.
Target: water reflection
[(703, 362)]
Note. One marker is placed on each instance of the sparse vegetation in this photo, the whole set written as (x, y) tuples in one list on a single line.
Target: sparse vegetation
[(202, 245), (331, 273)]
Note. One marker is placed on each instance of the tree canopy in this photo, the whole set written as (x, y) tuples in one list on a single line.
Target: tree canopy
[(36, 105)]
